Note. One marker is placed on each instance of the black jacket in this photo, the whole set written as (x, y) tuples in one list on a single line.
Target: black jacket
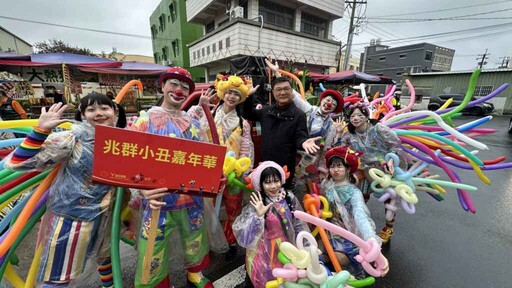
[(283, 131)]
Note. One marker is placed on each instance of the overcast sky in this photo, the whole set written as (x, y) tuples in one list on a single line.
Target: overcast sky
[(132, 16)]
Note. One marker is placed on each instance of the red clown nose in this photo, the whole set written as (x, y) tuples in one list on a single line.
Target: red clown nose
[(178, 93)]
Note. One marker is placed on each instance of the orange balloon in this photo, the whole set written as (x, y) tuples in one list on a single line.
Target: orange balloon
[(312, 205), (127, 87), (291, 75)]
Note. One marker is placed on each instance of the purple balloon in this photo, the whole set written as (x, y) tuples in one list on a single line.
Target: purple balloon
[(470, 104), (463, 194)]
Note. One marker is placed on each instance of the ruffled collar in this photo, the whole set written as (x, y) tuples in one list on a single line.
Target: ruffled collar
[(229, 121)]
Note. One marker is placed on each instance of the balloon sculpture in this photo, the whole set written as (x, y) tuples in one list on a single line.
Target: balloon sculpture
[(431, 138)]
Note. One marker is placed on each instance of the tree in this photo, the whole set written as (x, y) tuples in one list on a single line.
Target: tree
[(56, 46)]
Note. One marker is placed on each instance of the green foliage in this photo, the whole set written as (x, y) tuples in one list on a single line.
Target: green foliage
[(58, 46)]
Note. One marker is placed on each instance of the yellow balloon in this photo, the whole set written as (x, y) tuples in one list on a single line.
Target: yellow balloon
[(428, 142), (274, 283), (32, 273), (26, 123), (325, 212), (479, 172), (12, 277)]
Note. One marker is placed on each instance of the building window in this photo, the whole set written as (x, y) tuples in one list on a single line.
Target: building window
[(175, 48), (382, 58), (214, 47), (161, 19), (428, 55), (402, 56), (208, 50), (164, 53), (313, 25), (369, 59), (194, 55), (153, 31), (483, 90), (202, 51), (276, 14), (155, 55), (172, 12), (220, 45), (228, 42), (210, 27)]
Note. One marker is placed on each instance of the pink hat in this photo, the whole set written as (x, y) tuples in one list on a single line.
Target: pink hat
[(255, 176)]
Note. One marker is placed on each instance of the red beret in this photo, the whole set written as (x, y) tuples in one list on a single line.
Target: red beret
[(351, 157)]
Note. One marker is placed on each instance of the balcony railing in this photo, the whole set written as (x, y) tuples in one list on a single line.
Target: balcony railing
[(240, 37)]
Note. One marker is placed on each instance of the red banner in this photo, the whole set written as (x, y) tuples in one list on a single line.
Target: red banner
[(147, 161)]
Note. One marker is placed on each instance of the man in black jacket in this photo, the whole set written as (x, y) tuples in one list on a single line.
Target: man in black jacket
[(283, 127)]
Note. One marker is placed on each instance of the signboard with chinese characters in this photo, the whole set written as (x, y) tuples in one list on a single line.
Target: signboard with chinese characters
[(147, 161)]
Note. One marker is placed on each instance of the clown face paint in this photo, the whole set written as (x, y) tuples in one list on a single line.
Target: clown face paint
[(328, 105), (175, 93)]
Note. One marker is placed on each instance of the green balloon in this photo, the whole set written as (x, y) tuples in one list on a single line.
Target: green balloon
[(5, 173), (114, 238), (16, 190), (11, 177), (444, 140)]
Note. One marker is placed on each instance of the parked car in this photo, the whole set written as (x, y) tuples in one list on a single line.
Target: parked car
[(480, 109)]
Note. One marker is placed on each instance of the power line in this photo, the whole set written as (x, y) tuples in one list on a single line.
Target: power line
[(428, 20), (443, 18), (86, 29), (447, 33), (449, 9)]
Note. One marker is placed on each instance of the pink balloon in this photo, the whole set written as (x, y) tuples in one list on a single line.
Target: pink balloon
[(369, 250), (289, 272), (408, 107)]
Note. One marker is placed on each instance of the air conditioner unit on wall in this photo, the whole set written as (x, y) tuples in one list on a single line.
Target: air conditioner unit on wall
[(236, 12)]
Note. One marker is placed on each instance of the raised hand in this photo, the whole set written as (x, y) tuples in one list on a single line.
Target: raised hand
[(257, 203), (273, 67), (51, 119), (207, 97), (339, 125), (310, 145), (153, 196)]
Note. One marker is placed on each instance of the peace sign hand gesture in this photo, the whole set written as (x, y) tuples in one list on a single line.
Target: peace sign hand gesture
[(51, 119), (257, 203)]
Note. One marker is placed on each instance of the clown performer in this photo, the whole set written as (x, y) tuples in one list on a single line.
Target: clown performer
[(348, 208), (319, 123), (77, 223), (374, 141), (180, 214), (234, 133), (266, 222)]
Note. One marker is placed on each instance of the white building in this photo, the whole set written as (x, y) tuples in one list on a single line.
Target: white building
[(12, 43), (297, 31)]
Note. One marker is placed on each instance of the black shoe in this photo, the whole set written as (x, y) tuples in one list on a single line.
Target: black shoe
[(232, 252)]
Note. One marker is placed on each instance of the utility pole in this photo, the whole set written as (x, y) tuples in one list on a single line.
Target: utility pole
[(351, 30), (482, 62)]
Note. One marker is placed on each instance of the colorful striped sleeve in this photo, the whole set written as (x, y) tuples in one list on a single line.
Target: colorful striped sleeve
[(30, 146)]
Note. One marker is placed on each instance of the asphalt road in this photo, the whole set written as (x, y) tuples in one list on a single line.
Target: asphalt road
[(439, 246)]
